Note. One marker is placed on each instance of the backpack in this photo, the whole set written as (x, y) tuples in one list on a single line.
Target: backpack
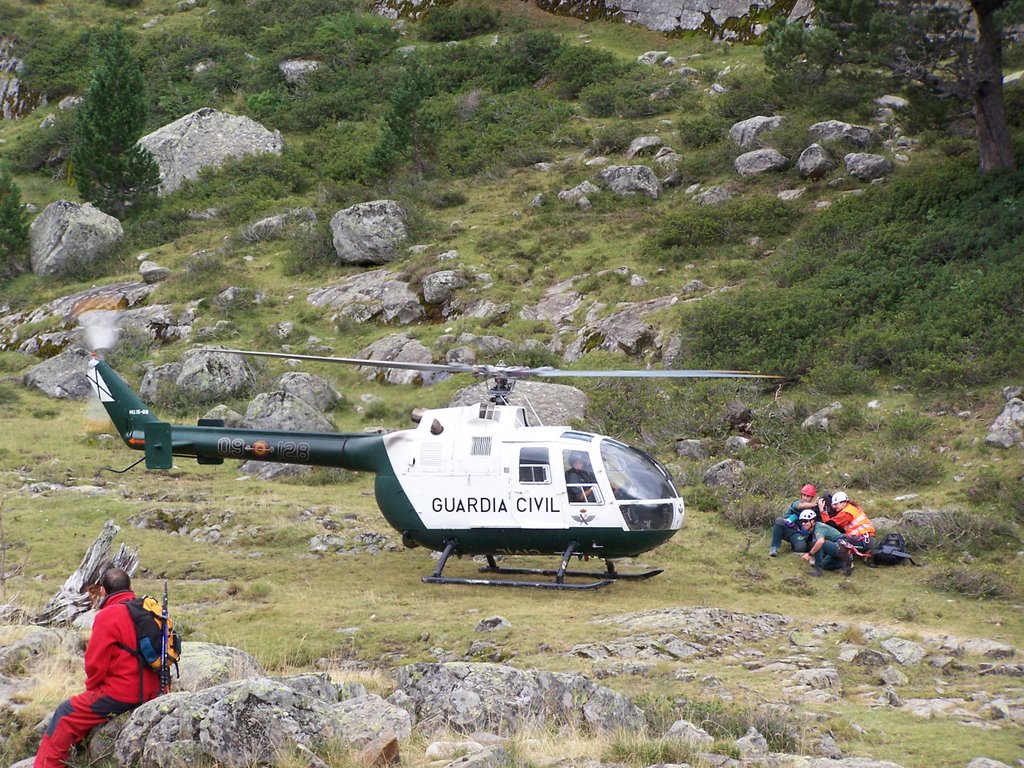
[(891, 550), (148, 618)]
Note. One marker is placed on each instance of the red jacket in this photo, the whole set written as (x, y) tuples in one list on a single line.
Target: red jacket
[(109, 669)]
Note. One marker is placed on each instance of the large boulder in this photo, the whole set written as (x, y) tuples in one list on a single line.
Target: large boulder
[(866, 166), (400, 348), (836, 130), (375, 295), (1006, 430), (208, 375), (204, 665), (236, 724), (760, 161), (205, 139), (466, 697), (746, 133), (68, 236), (815, 162), (624, 330), (368, 233), (631, 180), (63, 377), (314, 390), (284, 411)]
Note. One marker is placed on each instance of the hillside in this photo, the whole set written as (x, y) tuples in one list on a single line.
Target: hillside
[(900, 299)]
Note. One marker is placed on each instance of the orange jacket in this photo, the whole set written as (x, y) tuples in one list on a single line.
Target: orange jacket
[(859, 524)]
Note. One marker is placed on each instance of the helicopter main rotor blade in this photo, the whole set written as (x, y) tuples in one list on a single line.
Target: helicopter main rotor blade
[(667, 373), (510, 371), (426, 367)]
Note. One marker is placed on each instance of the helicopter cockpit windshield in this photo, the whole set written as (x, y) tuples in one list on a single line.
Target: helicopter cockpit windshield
[(642, 486)]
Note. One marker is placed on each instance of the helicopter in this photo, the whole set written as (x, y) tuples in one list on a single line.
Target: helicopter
[(467, 480)]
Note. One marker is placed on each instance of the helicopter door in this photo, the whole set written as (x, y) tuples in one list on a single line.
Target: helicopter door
[(533, 492), (581, 486)]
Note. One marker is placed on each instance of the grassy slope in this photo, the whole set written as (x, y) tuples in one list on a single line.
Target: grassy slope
[(266, 583)]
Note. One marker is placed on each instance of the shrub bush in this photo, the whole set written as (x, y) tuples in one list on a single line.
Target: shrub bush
[(443, 23), (578, 67), (702, 130), (976, 583), (628, 96)]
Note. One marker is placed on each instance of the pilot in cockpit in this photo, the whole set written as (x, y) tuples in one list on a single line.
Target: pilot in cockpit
[(579, 480)]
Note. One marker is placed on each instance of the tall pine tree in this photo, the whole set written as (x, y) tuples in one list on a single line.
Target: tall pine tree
[(13, 227), (110, 169)]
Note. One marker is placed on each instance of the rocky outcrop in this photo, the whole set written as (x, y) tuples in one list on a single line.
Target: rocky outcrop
[(866, 166), (552, 403), (466, 697), (746, 133), (377, 295), (624, 330), (68, 236), (1008, 428), (401, 348), (631, 180), (206, 138), (63, 376), (760, 161)]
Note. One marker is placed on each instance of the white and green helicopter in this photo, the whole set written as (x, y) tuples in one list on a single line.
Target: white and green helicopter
[(472, 480)]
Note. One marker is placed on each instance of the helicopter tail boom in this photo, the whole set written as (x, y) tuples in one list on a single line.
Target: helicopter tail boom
[(211, 443)]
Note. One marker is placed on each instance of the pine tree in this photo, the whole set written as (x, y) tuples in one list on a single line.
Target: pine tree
[(13, 226), (110, 169)]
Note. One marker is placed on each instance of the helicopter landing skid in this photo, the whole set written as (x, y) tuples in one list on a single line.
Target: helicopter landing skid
[(492, 567), (611, 574)]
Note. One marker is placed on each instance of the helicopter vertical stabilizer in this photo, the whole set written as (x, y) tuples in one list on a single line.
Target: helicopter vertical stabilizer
[(125, 408)]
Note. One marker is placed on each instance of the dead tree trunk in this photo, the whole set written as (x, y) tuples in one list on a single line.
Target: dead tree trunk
[(73, 599)]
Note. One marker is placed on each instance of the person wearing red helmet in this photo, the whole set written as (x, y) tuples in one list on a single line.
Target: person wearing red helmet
[(788, 526)]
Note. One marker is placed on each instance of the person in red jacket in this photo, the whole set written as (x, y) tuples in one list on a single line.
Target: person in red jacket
[(112, 683)]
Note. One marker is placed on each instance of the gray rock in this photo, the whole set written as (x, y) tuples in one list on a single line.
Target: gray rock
[(815, 162), (692, 448), (713, 195), (273, 227), (631, 180), (724, 473), (905, 652), (399, 347), (892, 676), (205, 138), (833, 130), (204, 665), (158, 382), (760, 161), (296, 71), (752, 744), (625, 330), (207, 375), (1008, 428), (464, 697), (68, 236), (368, 296), (284, 411), (687, 732), (439, 287), (643, 145), (314, 390), (822, 418), (63, 377), (581, 190), (746, 133), (235, 724), (368, 233), (867, 167), (152, 272), (491, 624), (366, 718)]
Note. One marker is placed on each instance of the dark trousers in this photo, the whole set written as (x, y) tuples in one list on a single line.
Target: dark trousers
[(829, 557), (797, 539), (71, 723)]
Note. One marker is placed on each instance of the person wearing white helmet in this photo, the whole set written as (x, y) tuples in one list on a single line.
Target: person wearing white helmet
[(788, 526), (852, 521), (825, 553)]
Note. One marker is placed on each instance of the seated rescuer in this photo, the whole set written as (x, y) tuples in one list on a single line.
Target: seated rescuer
[(852, 521), (788, 526), (111, 675), (826, 552)]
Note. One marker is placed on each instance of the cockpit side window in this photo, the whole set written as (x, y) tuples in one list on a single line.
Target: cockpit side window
[(580, 483), (534, 465)]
